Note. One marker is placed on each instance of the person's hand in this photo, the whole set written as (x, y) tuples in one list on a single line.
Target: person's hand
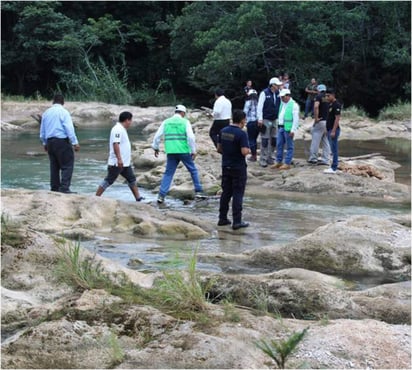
[(76, 147), (120, 163), (260, 123), (332, 134), (156, 153), (292, 134), (193, 156)]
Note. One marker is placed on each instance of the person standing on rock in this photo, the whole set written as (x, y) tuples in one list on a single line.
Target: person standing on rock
[(333, 128), (222, 112), (311, 91), (234, 146), (180, 146), (250, 109), (319, 133), (267, 114), (287, 126), (58, 137), (120, 158)]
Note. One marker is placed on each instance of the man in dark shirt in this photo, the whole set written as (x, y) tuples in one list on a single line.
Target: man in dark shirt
[(319, 134), (332, 126), (233, 144)]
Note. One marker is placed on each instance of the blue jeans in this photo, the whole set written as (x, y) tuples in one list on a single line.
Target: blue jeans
[(309, 105), (284, 138), (334, 148), (173, 161), (252, 133)]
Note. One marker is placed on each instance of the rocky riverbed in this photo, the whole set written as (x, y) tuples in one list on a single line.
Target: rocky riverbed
[(309, 283)]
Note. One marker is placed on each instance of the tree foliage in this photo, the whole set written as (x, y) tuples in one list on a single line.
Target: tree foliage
[(360, 48)]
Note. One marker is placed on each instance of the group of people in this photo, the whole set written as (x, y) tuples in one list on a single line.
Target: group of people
[(274, 114)]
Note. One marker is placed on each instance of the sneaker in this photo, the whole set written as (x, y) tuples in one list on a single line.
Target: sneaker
[(313, 161), (160, 199), (252, 158), (140, 199), (277, 165), (223, 222), (240, 225), (200, 196), (263, 164), (330, 171)]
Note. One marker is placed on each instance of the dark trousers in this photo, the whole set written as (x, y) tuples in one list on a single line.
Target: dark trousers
[(217, 125), (61, 156), (252, 133), (233, 185)]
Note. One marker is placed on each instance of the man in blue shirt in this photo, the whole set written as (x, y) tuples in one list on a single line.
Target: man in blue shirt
[(233, 144), (59, 139)]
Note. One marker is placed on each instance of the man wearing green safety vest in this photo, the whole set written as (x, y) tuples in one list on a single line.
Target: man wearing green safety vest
[(288, 125), (180, 145)]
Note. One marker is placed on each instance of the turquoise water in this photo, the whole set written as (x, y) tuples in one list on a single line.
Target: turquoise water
[(24, 164)]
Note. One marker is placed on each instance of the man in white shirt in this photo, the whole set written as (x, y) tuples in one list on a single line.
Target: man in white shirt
[(222, 113), (119, 162), (287, 126)]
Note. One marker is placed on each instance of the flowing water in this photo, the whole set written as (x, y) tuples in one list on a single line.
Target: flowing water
[(279, 220)]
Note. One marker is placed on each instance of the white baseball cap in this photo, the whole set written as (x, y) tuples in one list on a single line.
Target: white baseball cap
[(252, 91), (275, 81), (180, 108), (284, 92)]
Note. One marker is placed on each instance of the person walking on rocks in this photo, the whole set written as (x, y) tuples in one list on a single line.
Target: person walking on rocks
[(250, 110), (234, 146), (287, 126), (222, 113), (319, 134), (311, 91), (267, 114), (58, 137), (333, 128), (180, 146), (120, 161)]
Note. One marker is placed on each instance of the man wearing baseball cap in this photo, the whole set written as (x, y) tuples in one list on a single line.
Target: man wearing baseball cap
[(180, 146), (267, 114)]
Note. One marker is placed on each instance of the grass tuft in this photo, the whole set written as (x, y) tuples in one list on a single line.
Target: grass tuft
[(397, 112)]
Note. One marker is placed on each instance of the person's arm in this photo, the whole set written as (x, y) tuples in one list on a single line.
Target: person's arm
[(295, 114), (259, 109), (245, 151), (217, 109), (337, 119), (219, 148), (191, 140), (68, 126), (316, 110), (116, 148), (157, 138)]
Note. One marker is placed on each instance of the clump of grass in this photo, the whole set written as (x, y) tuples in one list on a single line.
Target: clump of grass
[(398, 112), (353, 112), (11, 233), (279, 351), (81, 272)]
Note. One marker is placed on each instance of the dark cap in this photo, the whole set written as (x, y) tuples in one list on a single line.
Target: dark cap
[(330, 91)]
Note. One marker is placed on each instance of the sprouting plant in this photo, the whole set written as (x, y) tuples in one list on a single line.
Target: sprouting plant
[(11, 233), (279, 351)]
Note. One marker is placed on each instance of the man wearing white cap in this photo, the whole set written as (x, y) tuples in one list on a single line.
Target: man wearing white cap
[(287, 126), (267, 114), (180, 145)]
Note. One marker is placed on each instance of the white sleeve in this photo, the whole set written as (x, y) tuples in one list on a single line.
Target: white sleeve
[(295, 113), (261, 101), (158, 136), (191, 140)]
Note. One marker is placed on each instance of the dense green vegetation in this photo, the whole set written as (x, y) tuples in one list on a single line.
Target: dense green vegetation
[(154, 52)]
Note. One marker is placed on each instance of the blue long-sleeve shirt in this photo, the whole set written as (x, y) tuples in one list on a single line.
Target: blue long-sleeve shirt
[(57, 122)]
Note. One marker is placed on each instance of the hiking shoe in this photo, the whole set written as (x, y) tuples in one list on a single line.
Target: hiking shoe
[(200, 196), (252, 158), (275, 166), (329, 171), (223, 222), (285, 167), (160, 199), (140, 199), (240, 225)]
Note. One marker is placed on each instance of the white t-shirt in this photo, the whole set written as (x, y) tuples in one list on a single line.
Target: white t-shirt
[(222, 109), (118, 134)]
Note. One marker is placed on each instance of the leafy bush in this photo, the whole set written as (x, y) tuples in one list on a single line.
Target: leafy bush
[(354, 112), (398, 112)]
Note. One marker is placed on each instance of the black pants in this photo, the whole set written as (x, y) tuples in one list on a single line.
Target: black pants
[(233, 185), (61, 158), (217, 125)]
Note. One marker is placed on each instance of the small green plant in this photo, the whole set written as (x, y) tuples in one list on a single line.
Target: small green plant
[(260, 299), (182, 290), (279, 351), (397, 112), (230, 312), (117, 353), (79, 271), (11, 233), (354, 112)]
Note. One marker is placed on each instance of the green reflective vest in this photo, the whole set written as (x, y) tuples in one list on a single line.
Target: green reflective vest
[(175, 135), (288, 117)]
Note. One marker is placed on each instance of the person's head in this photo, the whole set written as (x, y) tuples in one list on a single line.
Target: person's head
[(58, 98), (285, 95), (252, 94), (330, 95), (219, 92), (321, 88), (239, 117), (180, 109), (313, 81), (275, 84), (285, 77), (125, 118), (249, 83)]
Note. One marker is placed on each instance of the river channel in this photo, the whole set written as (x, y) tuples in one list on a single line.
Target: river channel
[(274, 221)]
